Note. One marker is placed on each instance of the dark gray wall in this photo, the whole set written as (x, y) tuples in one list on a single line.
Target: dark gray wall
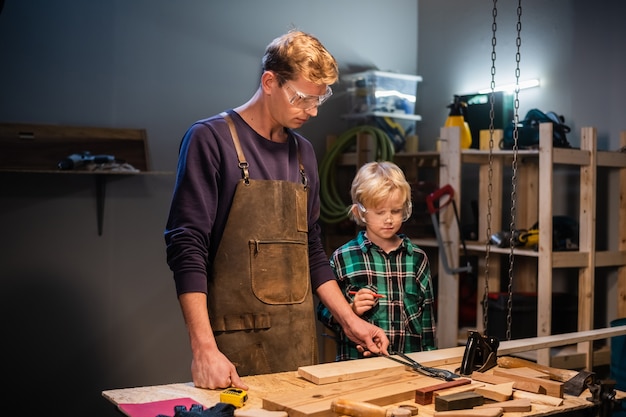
[(99, 312)]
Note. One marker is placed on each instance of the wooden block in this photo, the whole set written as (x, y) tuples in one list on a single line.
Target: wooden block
[(463, 388), (490, 378), (499, 392), (424, 395), (489, 412), (553, 388), (516, 406), (538, 398), (495, 380), (523, 371), (529, 387), (458, 401)]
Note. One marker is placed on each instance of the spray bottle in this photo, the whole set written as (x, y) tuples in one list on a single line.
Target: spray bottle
[(456, 118)]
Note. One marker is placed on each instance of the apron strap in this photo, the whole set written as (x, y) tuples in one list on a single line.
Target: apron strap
[(242, 160), (305, 180)]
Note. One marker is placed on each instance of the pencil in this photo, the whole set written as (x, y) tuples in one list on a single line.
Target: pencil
[(375, 295)]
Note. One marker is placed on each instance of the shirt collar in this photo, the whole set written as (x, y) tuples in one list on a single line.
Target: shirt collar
[(365, 244)]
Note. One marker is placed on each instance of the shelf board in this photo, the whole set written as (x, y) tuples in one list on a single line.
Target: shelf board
[(83, 172), (404, 116)]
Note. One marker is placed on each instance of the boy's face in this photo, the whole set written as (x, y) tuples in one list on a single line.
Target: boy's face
[(384, 220)]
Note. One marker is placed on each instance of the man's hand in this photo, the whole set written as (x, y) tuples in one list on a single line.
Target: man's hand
[(212, 370), (372, 339)]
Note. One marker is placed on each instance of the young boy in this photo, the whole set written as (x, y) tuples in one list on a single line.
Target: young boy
[(384, 277)]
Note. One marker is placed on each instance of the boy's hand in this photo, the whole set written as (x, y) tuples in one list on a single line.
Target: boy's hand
[(364, 300)]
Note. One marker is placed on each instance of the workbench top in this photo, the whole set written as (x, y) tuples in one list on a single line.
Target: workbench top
[(307, 397)]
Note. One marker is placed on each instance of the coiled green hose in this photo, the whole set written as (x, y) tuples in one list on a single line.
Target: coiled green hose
[(333, 209)]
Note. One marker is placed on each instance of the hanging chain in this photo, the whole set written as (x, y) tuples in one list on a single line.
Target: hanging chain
[(514, 167), (485, 300)]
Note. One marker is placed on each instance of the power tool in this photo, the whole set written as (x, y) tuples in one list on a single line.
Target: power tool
[(77, 160)]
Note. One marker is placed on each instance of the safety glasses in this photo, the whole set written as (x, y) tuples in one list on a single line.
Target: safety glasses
[(306, 101)]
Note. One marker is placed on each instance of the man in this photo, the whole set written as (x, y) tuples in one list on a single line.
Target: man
[(243, 238)]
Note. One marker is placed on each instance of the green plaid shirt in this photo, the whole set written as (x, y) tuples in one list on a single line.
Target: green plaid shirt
[(406, 313)]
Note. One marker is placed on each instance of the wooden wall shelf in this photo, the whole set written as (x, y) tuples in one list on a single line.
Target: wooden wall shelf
[(38, 149)]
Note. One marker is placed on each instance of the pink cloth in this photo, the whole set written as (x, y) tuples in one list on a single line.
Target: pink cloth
[(153, 409)]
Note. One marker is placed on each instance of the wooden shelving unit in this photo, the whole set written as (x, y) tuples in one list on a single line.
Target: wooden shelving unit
[(534, 188)]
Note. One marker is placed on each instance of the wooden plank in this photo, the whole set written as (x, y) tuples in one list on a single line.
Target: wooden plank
[(552, 388), (316, 402), (490, 412), (621, 238), (544, 262), (499, 392), (348, 370), (449, 174), (518, 406), (463, 388), (538, 398), (587, 240), (489, 378), (332, 372), (528, 386), (522, 371), (425, 395), (358, 369), (510, 347)]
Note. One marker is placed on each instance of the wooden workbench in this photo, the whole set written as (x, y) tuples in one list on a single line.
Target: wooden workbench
[(300, 397)]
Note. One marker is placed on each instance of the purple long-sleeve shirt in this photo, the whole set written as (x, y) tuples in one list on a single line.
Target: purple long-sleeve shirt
[(206, 179)]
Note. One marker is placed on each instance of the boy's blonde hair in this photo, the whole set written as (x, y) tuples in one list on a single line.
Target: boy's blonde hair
[(373, 184), (297, 53)]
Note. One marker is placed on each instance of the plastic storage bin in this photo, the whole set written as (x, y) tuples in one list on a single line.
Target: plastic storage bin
[(381, 92)]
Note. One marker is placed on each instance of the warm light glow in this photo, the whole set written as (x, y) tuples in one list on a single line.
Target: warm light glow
[(510, 88)]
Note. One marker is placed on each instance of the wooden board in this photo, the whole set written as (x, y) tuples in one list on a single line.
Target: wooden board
[(552, 388), (489, 412), (425, 395), (499, 392), (352, 370), (332, 372), (521, 405), (316, 402)]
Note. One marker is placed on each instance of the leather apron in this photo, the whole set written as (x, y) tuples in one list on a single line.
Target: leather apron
[(260, 300)]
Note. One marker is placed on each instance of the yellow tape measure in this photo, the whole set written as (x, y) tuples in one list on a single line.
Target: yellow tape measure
[(234, 396)]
